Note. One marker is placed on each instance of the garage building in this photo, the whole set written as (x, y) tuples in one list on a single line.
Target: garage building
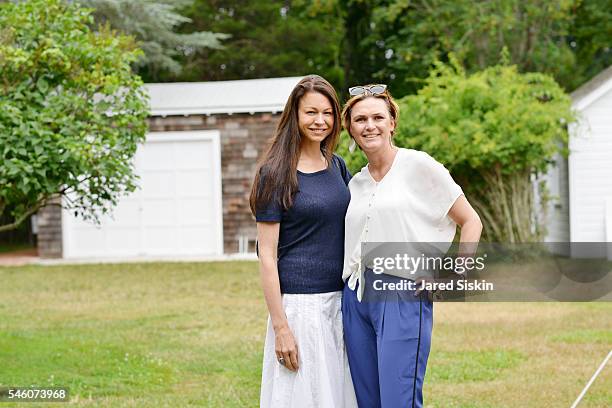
[(196, 169)]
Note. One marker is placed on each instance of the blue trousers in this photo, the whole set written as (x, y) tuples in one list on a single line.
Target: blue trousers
[(387, 341)]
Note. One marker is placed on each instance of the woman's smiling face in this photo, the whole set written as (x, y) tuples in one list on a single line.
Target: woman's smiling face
[(371, 124), (315, 116)]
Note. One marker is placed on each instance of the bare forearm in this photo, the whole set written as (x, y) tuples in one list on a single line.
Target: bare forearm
[(271, 290), (470, 236), (471, 230)]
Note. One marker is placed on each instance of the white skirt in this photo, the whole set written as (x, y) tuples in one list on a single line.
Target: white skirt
[(323, 379)]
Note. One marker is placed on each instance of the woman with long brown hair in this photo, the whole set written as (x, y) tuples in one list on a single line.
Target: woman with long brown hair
[(299, 199)]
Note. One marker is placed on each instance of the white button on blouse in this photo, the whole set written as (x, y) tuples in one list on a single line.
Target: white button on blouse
[(410, 204)]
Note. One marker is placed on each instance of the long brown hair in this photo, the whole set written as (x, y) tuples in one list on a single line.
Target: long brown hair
[(276, 175)]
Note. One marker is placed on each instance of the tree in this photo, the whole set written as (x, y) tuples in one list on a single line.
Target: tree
[(494, 129), (154, 23), (71, 110), (589, 38), (360, 54), (269, 39), (533, 31), (567, 39)]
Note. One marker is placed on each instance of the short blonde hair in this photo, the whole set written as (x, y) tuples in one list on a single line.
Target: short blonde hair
[(385, 96)]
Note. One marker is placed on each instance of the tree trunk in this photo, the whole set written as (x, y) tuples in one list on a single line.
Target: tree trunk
[(507, 207)]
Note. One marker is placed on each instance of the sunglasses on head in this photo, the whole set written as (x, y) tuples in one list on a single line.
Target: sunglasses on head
[(376, 89)]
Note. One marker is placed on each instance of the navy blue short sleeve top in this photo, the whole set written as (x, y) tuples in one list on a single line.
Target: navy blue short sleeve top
[(311, 237)]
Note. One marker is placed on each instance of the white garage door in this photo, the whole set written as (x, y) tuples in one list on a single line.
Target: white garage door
[(176, 211)]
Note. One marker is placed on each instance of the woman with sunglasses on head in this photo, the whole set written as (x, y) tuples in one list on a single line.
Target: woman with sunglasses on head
[(405, 196), (299, 199)]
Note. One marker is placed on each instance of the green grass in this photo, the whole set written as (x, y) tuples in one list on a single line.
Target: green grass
[(587, 336), (472, 366), (191, 334)]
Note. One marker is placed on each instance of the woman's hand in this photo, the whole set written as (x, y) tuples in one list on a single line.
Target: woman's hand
[(431, 294), (286, 347)]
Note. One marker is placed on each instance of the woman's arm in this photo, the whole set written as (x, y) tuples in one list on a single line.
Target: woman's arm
[(267, 237), (471, 227), (464, 215)]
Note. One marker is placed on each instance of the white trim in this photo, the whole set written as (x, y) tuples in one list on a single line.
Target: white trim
[(608, 227), (217, 181), (572, 133), (248, 96), (212, 111), (608, 219), (66, 223), (585, 101), (592, 90), (183, 136), (571, 186)]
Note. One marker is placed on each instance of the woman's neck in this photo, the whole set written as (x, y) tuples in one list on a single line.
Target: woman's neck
[(311, 159), (310, 150), (380, 162)]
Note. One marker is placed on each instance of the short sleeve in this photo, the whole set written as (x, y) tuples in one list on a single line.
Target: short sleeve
[(444, 190), (272, 211), (346, 174)]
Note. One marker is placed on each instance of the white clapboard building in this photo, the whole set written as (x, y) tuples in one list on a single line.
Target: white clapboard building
[(581, 184)]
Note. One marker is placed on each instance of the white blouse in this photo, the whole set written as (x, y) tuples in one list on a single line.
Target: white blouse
[(410, 204)]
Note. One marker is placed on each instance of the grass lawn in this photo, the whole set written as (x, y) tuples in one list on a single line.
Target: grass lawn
[(179, 334)]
